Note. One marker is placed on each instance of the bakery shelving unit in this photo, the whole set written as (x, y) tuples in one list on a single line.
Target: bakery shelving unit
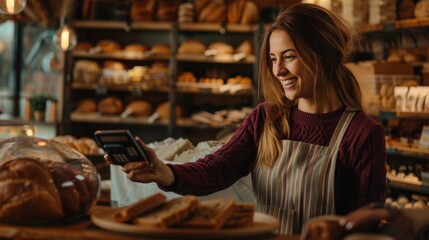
[(148, 33), (407, 154), (171, 33), (195, 97), (407, 35)]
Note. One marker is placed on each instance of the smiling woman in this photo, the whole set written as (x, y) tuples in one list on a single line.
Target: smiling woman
[(310, 148)]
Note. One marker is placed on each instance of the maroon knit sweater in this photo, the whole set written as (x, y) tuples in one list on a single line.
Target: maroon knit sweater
[(360, 176)]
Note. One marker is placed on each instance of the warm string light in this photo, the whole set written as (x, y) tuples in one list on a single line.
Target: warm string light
[(66, 37), (12, 6)]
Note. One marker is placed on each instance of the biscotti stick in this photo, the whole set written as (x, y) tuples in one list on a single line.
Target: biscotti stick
[(172, 212), (211, 214), (242, 216), (139, 207)]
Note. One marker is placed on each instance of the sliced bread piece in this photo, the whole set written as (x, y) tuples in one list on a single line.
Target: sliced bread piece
[(242, 216), (139, 207), (210, 214), (168, 152), (172, 212)]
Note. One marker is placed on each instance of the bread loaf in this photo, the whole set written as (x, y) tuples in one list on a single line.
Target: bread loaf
[(142, 10), (167, 10), (68, 192), (108, 46), (163, 110), (28, 192), (135, 47), (139, 108), (160, 49), (170, 213), (212, 213), (82, 182), (245, 47), (221, 48), (113, 65), (250, 13), (200, 5), (213, 12), (83, 46), (87, 105), (235, 10), (110, 105), (191, 46)]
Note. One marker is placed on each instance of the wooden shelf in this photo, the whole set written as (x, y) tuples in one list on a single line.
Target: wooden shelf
[(393, 152), (165, 26), (121, 55), (112, 119), (409, 187), (227, 59), (390, 114), (121, 25), (123, 87), (409, 150), (217, 27), (116, 119), (394, 26)]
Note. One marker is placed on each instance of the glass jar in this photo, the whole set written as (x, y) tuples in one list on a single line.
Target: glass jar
[(43, 181)]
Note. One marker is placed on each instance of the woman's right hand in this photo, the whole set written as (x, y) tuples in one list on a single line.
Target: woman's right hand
[(153, 170)]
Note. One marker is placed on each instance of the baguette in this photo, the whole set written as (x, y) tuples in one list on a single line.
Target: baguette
[(171, 213), (140, 207), (242, 216), (211, 214)]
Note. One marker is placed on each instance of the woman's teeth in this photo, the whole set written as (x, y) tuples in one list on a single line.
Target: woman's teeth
[(288, 81)]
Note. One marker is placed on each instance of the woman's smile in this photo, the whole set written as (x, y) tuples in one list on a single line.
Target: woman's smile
[(286, 83)]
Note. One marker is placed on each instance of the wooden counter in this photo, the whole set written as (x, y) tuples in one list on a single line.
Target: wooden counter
[(83, 229)]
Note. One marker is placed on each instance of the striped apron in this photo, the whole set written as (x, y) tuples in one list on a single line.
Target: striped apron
[(300, 185)]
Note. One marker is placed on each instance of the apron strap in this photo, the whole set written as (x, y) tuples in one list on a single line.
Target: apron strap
[(340, 130)]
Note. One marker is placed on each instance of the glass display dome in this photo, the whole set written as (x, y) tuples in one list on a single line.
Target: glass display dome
[(45, 181)]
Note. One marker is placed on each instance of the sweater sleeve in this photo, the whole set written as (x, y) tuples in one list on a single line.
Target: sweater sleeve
[(221, 169), (367, 172)]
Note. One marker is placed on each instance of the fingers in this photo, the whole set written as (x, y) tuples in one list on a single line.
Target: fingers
[(138, 175), (143, 166), (149, 151), (364, 217), (108, 159)]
